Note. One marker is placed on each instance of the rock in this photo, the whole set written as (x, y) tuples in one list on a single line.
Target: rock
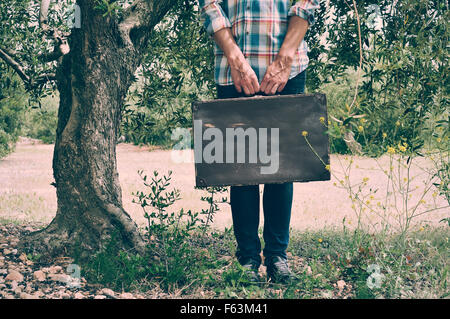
[(55, 269), (308, 270), (14, 285), (59, 277), (340, 284), (326, 294), (64, 295), (24, 295), (100, 297), (107, 292), (126, 295), (39, 275), (38, 294), (14, 275), (79, 295)]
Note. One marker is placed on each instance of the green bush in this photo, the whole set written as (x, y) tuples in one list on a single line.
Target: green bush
[(12, 105), (40, 122)]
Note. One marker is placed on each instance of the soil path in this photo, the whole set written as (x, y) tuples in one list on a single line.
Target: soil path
[(26, 193)]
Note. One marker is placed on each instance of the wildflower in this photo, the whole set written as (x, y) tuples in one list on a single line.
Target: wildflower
[(368, 202), (322, 120), (421, 228), (405, 179), (320, 240), (305, 133), (365, 179), (401, 148), (327, 167), (391, 150), (397, 123), (434, 194), (360, 128), (438, 140), (422, 201), (371, 197), (384, 135), (329, 122)]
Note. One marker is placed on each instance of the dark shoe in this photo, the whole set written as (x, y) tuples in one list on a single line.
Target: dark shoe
[(278, 270), (251, 271)]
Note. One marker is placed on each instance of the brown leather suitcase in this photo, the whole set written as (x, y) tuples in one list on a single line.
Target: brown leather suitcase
[(259, 140)]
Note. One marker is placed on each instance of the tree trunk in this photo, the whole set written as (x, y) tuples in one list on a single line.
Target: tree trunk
[(93, 80)]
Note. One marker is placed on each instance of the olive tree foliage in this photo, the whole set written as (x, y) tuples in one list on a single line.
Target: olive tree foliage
[(402, 70), (176, 71)]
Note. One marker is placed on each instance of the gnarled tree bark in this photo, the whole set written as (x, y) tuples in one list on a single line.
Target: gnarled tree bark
[(93, 80)]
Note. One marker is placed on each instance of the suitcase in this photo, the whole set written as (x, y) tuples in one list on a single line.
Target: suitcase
[(259, 140)]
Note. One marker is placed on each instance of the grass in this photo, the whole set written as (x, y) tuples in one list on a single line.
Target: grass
[(329, 263)]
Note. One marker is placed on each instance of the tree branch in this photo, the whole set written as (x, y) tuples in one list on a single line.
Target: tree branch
[(15, 65), (43, 14), (140, 18)]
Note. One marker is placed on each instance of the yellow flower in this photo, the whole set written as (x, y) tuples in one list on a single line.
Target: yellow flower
[(305, 133), (360, 128), (368, 202), (384, 135), (371, 197), (365, 179), (322, 120), (422, 201), (327, 167), (320, 240), (397, 123), (405, 179), (401, 148), (422, 228), (434, 194), (391, 150), (438, 140)]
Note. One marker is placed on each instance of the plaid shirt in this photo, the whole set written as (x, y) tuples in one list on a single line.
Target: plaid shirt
[(259, 28)]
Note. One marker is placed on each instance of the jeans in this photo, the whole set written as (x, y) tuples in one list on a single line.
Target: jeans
[(277, 201)]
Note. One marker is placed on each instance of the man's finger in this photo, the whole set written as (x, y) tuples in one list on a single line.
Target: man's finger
[(238, 88), (264, 82), (246, 89), (274, 89), (281, 87), (269, 87), (255, 84)]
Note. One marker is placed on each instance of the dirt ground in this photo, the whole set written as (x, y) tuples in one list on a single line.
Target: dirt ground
[(26, 193)]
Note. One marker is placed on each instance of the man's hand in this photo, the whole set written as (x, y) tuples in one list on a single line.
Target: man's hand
[(244, 78), (277, 75)]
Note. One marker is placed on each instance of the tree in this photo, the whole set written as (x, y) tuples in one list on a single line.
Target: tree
[(96, 66)]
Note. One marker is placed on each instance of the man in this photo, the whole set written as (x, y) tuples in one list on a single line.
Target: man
[(259, 49)]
